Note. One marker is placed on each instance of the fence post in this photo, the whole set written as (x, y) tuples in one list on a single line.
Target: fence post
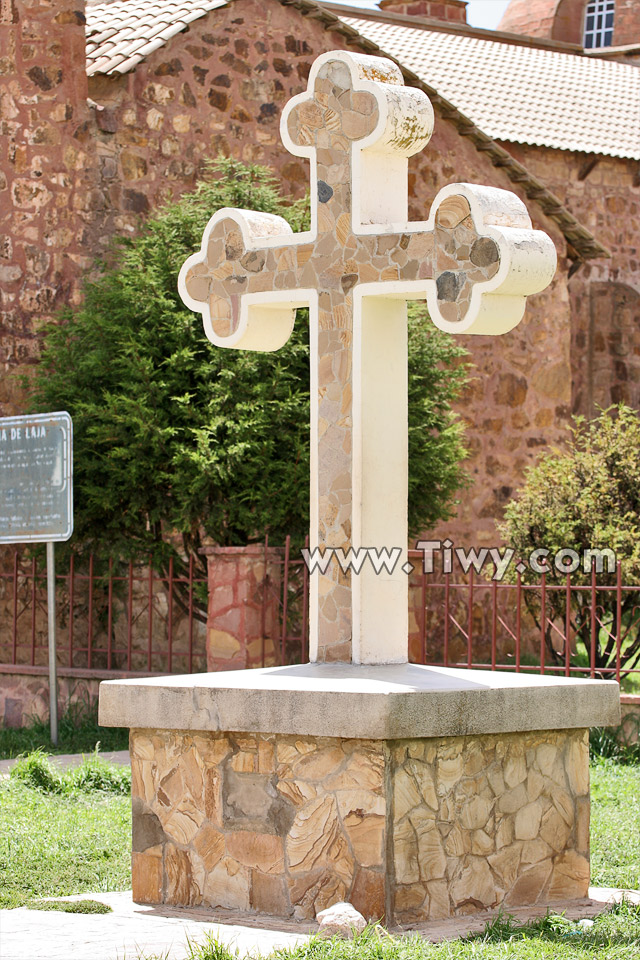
[(130, 615), (90, 633), (518, 621), (285, 599), (170, 614), (494, 624), (51, 617), (543, 618), (71, 597), (305, 605), (567, 629), (263, 614), (15, 608), (150, 619), (470, 622), (33, 611), (110, 616), (190, 613), (592, 656), (446, 619), (618, 618)]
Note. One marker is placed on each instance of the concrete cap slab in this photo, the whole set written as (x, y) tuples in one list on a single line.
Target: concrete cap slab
[(388, 701)]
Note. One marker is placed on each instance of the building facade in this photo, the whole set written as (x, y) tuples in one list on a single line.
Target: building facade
[(110, 109)]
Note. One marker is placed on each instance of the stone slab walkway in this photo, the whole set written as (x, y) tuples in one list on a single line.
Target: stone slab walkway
[(65, 760), (131, 931), (134, 931)]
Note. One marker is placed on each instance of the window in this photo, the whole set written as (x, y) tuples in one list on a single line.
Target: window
[(598, 24)]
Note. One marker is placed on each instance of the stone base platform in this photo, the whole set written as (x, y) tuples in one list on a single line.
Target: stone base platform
[(416, 793)]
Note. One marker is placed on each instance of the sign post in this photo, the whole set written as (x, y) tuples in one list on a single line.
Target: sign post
[(36, 503)]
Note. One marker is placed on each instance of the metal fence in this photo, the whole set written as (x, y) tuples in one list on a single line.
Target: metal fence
[(557, 625), (110, 616), (130, 619)]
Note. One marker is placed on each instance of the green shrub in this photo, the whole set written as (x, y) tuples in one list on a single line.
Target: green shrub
[(587, 497), (35, 770), (172, 435), (93, 775)]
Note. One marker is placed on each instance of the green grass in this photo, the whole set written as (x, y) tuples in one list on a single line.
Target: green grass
[(615, 825), (62, 834), (613, 936), (71, 906), (78, 732)]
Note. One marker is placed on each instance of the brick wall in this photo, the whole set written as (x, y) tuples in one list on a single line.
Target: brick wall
[(220, 87), (534, 18), (453, 11), (626, 28), (564, 20)]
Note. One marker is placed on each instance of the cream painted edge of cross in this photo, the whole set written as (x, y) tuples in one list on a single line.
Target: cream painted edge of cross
[(527, 257), (527, 265)]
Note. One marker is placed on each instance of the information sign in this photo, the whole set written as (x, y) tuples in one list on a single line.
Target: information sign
[(36, 478)]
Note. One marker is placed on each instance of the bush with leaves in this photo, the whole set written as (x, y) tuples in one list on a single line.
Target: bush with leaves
[(587, 497), (173, 436)]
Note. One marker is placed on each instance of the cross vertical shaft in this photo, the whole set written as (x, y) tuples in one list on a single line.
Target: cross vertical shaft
[(475, 260)]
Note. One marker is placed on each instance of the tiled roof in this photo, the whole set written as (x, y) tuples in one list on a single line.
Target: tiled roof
[(121, 33), (522, 94), (515, 93)]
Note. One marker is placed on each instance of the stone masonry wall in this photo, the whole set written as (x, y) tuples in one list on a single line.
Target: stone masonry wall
[(47, 203), (410, 830), (243, 620), (604, 193), (25, 696)]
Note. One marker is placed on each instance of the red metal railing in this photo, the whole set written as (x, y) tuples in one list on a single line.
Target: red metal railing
[(289, 590), (552, 626), (129, 619), (113, 617)]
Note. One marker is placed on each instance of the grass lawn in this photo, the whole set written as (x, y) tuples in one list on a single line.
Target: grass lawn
[(614, 936), (615, 825), (64, 834)]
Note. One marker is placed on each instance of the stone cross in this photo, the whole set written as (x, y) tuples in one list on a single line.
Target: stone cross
[(474, 260)]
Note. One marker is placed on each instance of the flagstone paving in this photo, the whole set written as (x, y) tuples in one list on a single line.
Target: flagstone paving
[(134, 930)]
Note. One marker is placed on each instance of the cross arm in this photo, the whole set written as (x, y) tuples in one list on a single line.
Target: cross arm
[(475, 260), (247, 279)]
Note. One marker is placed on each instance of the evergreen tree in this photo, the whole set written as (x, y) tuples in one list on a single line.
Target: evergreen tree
[(175, 437)]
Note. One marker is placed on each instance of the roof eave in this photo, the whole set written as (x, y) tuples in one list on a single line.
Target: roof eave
[(446, 26)]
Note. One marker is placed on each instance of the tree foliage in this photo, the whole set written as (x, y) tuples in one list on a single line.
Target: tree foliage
[(586, 498), (173, 436)]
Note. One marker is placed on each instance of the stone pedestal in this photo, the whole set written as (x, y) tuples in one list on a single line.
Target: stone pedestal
[(416, 793), (242, 614)]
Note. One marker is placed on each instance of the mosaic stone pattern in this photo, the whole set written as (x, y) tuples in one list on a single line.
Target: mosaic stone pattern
[(410, 830), (331, 121)]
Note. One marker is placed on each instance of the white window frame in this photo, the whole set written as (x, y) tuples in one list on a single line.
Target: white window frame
[(596, 32)]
